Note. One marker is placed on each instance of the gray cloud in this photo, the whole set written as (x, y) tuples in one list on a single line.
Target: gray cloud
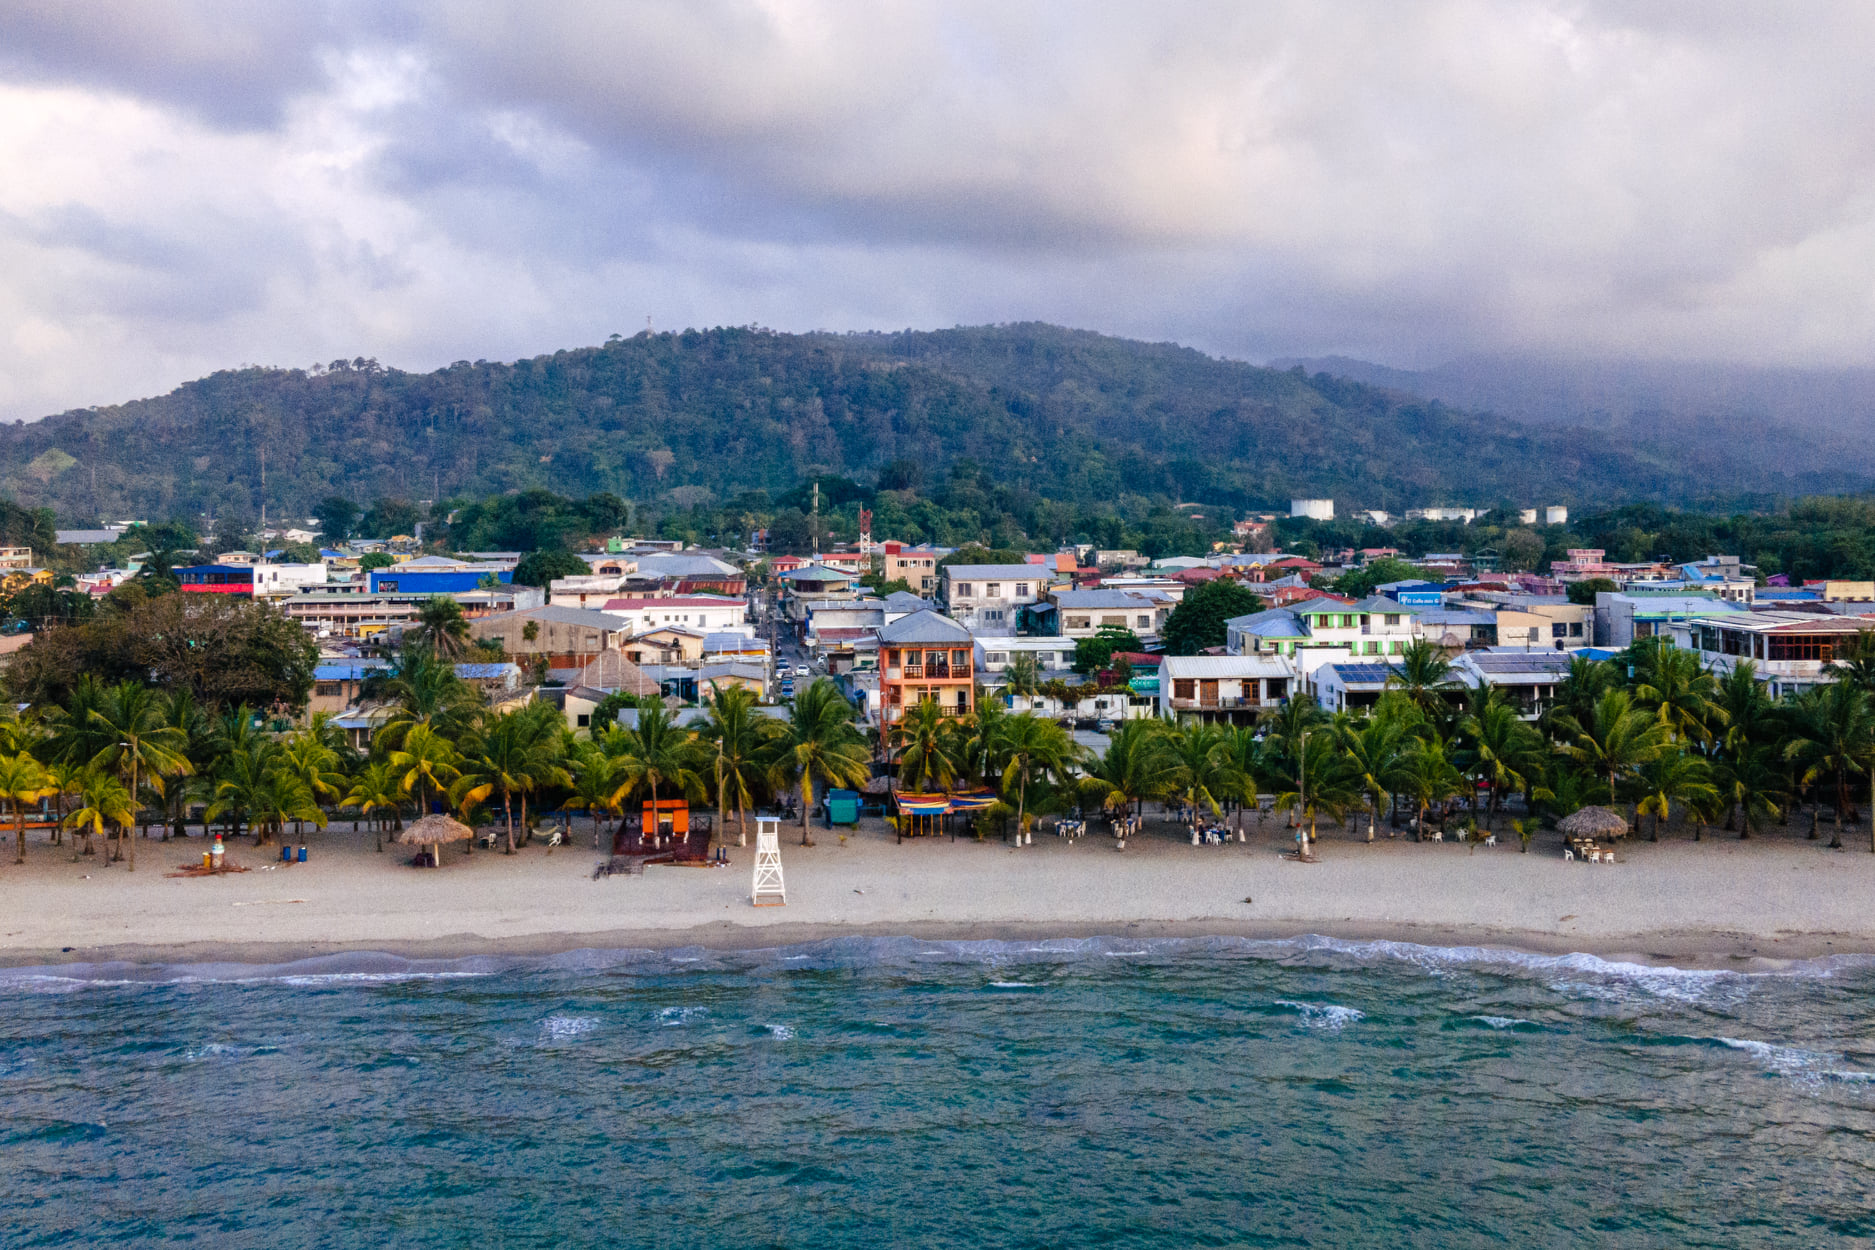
[(210, 183)]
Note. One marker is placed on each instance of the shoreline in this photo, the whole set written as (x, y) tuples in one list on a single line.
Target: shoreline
[(1751, 905), (1693, 951)]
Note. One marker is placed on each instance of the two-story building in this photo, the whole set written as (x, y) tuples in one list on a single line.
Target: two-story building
[(985, 598), (1788, 649), (1231, 689), (1083, 613), (916, 566), (811, 585), (925, 658), (702, 613)]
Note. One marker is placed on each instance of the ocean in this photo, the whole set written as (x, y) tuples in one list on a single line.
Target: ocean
[(897, 1092)]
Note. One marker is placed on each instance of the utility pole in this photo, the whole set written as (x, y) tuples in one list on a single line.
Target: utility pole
[(814, 521)]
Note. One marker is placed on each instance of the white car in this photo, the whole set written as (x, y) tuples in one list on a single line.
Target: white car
[(801, 670)]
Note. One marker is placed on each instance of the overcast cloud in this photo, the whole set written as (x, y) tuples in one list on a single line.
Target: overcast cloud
[(190, 186)]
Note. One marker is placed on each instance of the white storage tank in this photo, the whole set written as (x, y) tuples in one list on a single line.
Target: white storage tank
[(1313, 509)]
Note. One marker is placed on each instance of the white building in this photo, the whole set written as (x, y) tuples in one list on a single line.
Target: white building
[(1053, 656), (1467, 515), (1555, 516), (1227, 688), (1083, 613), (702, 613), (276, 581), (984, 598), (586, 590), (1313, 509)]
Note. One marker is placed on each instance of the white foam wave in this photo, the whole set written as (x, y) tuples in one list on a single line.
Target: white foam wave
[(218, 1050), (678, 1017), (1331, 1016), (566, 1028), (1014, 985), (1500, 1022), (1806, 1069), (780, 1032)]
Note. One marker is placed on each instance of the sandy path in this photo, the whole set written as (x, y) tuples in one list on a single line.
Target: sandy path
[(1677, 901)]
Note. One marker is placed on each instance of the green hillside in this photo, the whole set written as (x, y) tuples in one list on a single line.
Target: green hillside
[(681, 419)]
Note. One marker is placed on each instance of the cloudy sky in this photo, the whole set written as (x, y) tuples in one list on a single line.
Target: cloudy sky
[(189, 186)]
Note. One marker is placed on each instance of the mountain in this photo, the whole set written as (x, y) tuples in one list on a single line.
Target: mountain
[(705, 414), (1798, 421)]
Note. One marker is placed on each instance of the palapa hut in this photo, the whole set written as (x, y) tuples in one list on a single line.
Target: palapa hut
[(1594, 822), (432, 832)]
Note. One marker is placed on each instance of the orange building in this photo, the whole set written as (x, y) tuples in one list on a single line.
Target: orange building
[(926, 657)]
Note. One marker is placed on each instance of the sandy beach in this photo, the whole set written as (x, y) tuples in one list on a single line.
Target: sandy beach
[(1714, 903)]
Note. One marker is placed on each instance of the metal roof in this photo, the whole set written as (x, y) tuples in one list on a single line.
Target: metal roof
[(1270, 623), (999, 572), (559, 616), (1108, 599), (1510, 663), (925, 626), (1224, 666)]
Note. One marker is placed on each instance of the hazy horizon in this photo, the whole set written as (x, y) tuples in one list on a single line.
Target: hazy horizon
[(199, 185)]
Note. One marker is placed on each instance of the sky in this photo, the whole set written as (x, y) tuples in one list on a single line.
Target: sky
[(194, 186)]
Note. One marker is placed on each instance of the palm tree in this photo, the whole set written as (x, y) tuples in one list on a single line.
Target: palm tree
[(1033, 747), (1676, 775), (244, 788), (1372, 748), (1831, 729), (510, 757), (316, 766), (442, 629), (654, 752), (595, 783), (1313, 776), (136, 737), (1023, 675), (818, 740), (1676, 687), (1424, 675), (1616, 739), (1240, 756), (103, 801), (979, 742), (1751, 780), (1427, 775), (738, 735), (186, 716), (925, 741), (22, 781), (1202, 772), (1499, 749), (1855, 662), (1578, 693), (425, 691), (426, 765), (1138, 764), (374, 789)]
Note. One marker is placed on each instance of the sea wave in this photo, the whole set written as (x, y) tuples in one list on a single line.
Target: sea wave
[(1330, 1016), (1580, 974)]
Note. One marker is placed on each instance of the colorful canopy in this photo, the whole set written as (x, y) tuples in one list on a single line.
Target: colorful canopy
[(938, 804)]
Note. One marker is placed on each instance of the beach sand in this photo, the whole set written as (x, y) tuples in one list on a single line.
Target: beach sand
[(1721, 902)]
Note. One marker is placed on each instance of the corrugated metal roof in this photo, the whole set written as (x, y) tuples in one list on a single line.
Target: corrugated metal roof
[(1224, 666), (1095, 599), (925, 626), (998, 572)]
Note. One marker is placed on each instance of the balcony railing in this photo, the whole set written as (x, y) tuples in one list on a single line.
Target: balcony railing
[(1222, 702)]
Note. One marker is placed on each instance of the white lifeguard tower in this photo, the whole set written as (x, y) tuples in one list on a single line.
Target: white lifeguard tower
[(768, 889)]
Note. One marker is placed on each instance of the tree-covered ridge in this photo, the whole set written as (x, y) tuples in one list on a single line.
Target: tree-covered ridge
[(671, 420)]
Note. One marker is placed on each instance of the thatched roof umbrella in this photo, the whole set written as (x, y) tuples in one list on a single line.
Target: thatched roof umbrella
[(1594, 822), (433, 831)]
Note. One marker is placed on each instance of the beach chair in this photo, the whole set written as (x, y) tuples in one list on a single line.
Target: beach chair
[(1438, 835), (1490, 839)]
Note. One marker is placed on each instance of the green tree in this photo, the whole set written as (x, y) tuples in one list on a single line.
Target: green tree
[(818, 742), (925, 742), (337, 517), (375, 789), (1424, 676), (1138, 764), (541, 568), (1428, 775), (1373, 748), (738, 736), (1584, 591), (1831, 729), (441, 627), (1033, 747), (1675, 686), (1675, 775), (1499, 749), (427, 764), (22, 781), (1617, 739), (103, 801), (137, 740), (1096, 653), (1198, 620)]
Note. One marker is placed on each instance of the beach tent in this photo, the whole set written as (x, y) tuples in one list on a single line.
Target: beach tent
[(432, 832), (1594, 822), (921, 813)]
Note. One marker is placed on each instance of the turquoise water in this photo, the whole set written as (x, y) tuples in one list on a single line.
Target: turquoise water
[(888, 1092)]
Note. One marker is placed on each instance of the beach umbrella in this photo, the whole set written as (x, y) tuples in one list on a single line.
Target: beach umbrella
[(1594, 822), (433, 831)]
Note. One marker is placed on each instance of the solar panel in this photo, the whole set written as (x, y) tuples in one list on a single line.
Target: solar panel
[(1364, 672)]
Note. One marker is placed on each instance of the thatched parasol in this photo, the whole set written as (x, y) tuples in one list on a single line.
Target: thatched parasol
[(433, 831), (1594, 822)]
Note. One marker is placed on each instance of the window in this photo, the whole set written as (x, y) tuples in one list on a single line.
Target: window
[(1347, 621), (993, 590), (1022, 590), (1078, 622), (1144, 622), (992, 614), (585, 720), (961, 589), (1182, 688), (387, 587), (996, 657), (1559, 630), (326, 689), (1373, 648), (1393, 618), (1575, 629)]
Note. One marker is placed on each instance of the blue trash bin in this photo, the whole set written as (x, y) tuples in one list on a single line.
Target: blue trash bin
[(302, 854)]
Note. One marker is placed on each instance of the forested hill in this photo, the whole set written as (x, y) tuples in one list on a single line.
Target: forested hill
[(1072, 415)]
